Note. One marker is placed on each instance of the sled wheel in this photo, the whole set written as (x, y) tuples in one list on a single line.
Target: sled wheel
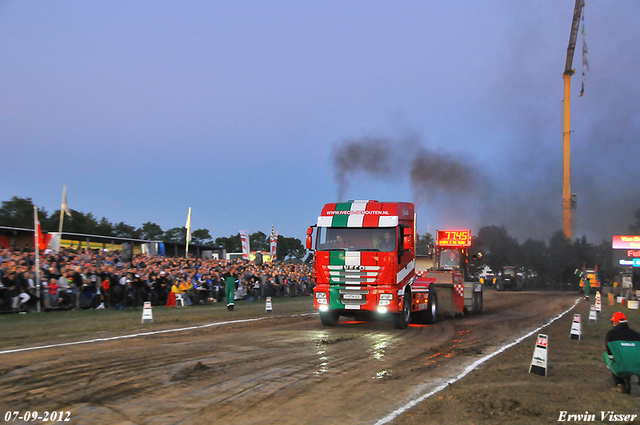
[(432, 308)]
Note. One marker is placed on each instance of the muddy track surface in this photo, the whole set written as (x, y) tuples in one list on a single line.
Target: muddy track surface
[(281, 369)]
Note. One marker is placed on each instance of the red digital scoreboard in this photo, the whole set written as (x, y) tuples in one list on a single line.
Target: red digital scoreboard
[(459, 238)]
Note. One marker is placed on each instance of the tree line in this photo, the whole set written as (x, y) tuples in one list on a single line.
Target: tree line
[(18, 212), (541, 263), (555, 261)]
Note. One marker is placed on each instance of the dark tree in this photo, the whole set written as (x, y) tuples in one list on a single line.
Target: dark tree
[(424, 245), (498, 248), (259, 241), (151, 231), (562, 264), (534, 261), (290, 248), (176, 234), (18, 212), (200, 236), (122, 230), (230, 244), (79, 223), (104, 228)]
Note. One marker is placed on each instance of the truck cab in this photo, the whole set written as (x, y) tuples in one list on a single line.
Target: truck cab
[(364, 258), (364, 265)]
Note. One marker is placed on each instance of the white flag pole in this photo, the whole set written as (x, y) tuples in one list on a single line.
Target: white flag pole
[(186, 254), (64, 194), (37, 250), (64, 208)]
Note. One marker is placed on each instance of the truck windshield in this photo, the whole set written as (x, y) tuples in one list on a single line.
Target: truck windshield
[(449, 259), (381, 239), (508, 271)]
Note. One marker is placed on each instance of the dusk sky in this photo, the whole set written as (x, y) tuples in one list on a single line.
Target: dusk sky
[(250, 112)]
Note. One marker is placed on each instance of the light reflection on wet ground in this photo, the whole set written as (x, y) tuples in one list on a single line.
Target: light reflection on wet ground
[(319, 338), (379, 344), (450, 352), (384, 374)]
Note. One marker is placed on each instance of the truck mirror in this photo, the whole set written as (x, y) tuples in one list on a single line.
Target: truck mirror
[(407, 239), (309, 233)]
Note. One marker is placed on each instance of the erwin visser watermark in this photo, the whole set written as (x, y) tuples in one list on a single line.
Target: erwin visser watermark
[(604, 416)]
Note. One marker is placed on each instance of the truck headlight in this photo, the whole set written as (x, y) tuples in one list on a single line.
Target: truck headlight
[(320, 295)]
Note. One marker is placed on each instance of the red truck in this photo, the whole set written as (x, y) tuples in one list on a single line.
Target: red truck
[(364, 267)]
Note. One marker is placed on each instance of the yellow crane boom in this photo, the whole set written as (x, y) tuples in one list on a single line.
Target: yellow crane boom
[(566, 128)]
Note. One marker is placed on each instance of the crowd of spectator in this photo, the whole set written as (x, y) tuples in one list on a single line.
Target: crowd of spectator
[(93, 279)]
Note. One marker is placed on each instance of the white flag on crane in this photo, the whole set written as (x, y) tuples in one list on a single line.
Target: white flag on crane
[(585, 61)]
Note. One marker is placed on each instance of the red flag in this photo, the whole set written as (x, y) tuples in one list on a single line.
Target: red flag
[(171, 301), (43, 240)]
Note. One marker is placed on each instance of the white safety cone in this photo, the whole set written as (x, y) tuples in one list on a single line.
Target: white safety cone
[(147, 316), (576, 328), (269, 309), (539, 360), (592, 314)]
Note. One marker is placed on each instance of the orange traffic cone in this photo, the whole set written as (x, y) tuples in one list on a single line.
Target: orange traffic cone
[(171, 302)]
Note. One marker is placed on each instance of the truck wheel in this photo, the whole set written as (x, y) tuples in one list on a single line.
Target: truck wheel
[(432, 309), (499, 286), (401, 320), (329, 318), (519, 285)]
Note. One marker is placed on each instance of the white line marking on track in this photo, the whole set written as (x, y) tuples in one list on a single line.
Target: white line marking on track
[(113, 338), (391, 416)]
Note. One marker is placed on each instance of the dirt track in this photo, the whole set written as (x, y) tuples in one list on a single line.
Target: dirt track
[(282, 369)]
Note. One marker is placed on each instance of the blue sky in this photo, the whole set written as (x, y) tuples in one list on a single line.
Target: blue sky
[(238, 108)]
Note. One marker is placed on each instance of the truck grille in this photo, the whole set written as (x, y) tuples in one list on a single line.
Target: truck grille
[(351, 275), (353, 296)]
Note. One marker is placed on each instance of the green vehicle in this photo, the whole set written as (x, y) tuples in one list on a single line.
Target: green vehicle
[(509, 279)]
